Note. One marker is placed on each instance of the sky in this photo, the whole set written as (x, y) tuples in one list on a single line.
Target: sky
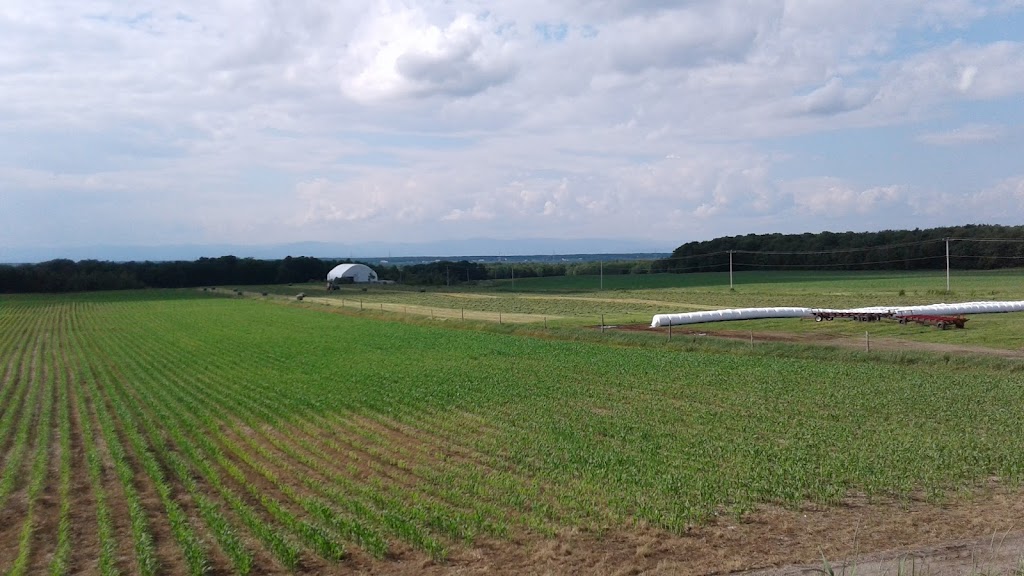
[(255, 122)]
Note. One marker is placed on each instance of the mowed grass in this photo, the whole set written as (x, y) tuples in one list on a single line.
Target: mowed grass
[(266, 436)]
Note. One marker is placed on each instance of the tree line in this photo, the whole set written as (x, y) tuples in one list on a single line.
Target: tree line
[(972, 247), (88, 275)]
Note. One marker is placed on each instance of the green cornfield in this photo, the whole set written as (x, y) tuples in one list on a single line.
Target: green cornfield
[(174, 432)]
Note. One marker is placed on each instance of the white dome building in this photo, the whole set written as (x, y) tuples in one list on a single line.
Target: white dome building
[(359, 273)]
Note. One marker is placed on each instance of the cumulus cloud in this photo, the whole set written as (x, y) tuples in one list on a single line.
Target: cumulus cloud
[(295, 120), (835, 199), (1001, 202), (398, 53)]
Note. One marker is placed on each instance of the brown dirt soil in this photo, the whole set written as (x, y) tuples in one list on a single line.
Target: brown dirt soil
[(85, 550), (981, 534), (116, 500), (47, 512)]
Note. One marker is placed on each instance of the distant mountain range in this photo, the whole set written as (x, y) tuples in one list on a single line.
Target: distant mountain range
[(474, 248)]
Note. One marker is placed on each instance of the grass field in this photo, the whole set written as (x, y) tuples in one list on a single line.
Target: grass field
[(574, 301), (169, 431)]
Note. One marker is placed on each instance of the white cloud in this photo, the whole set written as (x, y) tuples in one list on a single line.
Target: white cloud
[(1002, 202), (834, 98), (835, 199), (398, 53), (294, 120), (957, 72), (967, 134)]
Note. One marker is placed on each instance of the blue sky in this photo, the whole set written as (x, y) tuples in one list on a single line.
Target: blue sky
[(135, 122)]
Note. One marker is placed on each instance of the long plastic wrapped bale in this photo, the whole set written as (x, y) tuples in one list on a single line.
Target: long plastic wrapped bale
[(661, 320)]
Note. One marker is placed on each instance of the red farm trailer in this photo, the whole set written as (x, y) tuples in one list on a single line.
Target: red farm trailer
[(940, 322)]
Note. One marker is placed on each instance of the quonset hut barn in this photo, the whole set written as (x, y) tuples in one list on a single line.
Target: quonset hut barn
[(345, 273)]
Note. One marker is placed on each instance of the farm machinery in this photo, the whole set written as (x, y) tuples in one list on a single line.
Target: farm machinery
[(939, 321)]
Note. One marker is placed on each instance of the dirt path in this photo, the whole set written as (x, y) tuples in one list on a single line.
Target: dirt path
[(854, 342), (889, 344), (433, 311), (664, 303)]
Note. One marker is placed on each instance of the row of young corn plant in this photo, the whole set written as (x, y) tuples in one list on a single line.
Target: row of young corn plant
[(19, 334), (17, 424), (314, 536), (196, 557), (107, 561), (467, 513), (206, 457), (456, 524), (60, 564), (44, 381), (224, 532), (289, 451), (146, 561), (410, 507), (197, 451), (371, 509), (433, 506), (354, 530)]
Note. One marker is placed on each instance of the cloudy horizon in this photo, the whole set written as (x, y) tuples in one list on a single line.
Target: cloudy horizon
[(147, 123)]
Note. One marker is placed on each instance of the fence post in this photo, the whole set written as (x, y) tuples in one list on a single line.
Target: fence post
[(670, 332)]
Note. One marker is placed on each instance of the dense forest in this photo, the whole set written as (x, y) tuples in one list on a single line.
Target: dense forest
[(971, 247)]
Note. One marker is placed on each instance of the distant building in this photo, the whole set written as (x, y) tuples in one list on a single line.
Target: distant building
[(344, 273)]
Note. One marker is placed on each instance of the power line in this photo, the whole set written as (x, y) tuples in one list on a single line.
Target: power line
[(1012, 240), (985, 256), (837, 251), (845, 264)]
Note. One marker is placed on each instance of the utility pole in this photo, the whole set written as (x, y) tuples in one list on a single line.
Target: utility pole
[(730, 269), (601, 267), (513, 267), (947, 265)]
